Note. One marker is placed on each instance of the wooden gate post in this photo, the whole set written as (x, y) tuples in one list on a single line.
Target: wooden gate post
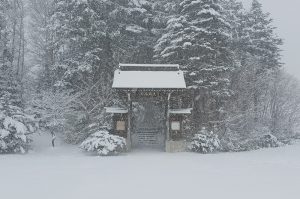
[(129, 122), (168, 118)]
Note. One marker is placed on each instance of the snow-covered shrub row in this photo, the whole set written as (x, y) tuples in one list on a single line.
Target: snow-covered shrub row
[(262, 141), (205, 142), (104, 144), (257, 139)]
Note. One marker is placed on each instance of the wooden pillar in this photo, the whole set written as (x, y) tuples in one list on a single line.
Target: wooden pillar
[(129, 122), (168, 118)]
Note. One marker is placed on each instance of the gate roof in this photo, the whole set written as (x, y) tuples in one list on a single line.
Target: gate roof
[(155, 76)]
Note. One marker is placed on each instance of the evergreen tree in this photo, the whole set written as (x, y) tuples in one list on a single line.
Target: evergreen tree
[(85, 60), (199, 38), (136, 26), (264, 43), (15, 124), (257, 50), (236, 16), (264, 47), (83, 42)]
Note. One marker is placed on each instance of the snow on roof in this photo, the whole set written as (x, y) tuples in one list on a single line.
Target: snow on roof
[(175, 66), (181, 111), (149, 79), (116, 110)]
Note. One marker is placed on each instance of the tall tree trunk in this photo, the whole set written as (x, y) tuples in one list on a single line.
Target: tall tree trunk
[(13, 47), (20, 65)]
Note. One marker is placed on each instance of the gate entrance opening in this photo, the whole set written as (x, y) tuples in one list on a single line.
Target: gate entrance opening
[(148, 125)]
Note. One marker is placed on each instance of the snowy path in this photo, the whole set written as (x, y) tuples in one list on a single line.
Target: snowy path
[(65, 173)]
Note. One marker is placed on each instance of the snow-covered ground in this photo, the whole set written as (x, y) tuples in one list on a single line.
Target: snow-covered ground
[(66, 173)]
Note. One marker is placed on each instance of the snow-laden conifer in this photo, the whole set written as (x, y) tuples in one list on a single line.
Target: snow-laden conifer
[(15, 124)]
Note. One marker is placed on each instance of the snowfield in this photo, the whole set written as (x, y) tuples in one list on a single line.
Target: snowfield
[(66, 173)]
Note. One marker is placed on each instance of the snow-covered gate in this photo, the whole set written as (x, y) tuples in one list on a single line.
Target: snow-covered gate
[(154, 96)]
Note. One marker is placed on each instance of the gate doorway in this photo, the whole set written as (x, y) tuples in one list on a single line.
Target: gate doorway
[(148, 125)]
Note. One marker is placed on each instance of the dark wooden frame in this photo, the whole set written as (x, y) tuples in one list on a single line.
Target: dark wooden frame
[(164, 95)]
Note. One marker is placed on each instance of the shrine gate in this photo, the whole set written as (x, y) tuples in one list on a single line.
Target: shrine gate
[(153, 115)]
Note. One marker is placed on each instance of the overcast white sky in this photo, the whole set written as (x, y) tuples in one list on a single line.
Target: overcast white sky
[(286, 15)]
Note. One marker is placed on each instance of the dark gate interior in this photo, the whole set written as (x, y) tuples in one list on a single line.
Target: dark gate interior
[(148, 125)]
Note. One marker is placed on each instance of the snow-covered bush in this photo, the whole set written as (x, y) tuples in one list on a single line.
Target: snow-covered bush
[(260, 137), (205, 142), (269, 141), (229, 145), (15, 126), (235, 141), (13, 137), (263, 141), (104, 144)]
